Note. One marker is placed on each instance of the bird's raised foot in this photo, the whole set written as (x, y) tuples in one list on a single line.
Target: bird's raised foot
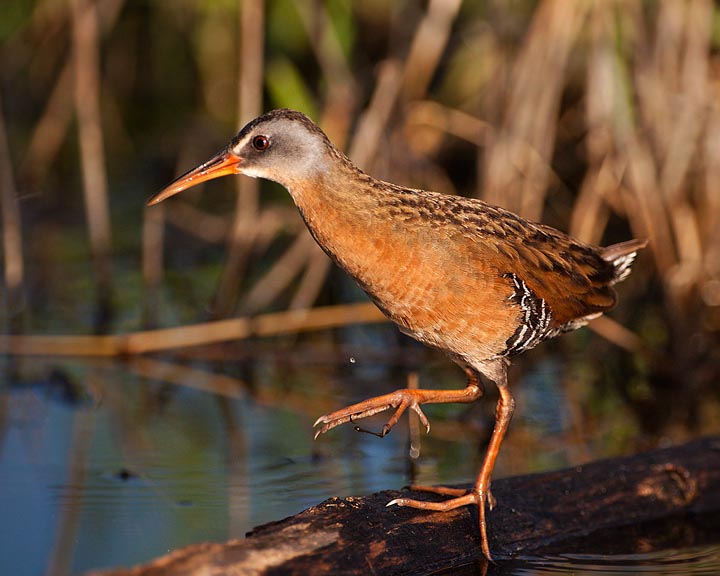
[(401, 400), (460, 498)]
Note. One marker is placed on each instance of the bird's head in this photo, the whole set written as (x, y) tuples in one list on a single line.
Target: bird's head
[(283, 145)]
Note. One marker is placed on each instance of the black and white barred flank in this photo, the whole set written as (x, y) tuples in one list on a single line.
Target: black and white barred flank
[(537, 317)]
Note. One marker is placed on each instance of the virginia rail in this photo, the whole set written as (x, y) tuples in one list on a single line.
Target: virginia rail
[(470, 279)]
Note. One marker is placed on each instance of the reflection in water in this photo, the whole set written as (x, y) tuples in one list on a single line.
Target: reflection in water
[(150, 455), (691, 562)]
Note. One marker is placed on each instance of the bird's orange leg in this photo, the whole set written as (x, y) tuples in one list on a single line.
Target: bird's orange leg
[(401, 400), (480, 494)]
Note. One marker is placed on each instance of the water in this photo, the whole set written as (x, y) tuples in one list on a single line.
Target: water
[(690, 562), (133, 468), (114, 463)]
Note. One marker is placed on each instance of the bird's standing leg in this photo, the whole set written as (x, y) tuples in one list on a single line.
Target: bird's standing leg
[(480, 493), (401, 400)]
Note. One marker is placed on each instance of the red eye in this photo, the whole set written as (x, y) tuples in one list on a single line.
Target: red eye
[(260, 143)]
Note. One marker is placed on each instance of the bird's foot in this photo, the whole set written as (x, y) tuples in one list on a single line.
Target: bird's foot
[(460, 498), (457, 492), (400, 400)]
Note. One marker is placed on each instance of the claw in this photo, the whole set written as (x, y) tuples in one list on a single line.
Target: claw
[(349, 414), (401, 400), (421, 415)]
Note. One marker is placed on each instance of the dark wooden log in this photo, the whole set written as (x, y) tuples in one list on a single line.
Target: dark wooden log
[(615, 505)]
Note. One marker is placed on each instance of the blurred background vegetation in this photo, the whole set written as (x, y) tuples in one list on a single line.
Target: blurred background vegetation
[(600, 117)]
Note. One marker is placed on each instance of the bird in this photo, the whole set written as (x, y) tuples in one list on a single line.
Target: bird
[(473, 280)]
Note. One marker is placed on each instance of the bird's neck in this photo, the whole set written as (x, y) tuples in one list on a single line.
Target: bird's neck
[(340, 208)]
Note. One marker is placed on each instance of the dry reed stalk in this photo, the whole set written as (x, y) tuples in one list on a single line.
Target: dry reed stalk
[(153, 234), (518, 157), (684, 145), (227, 386), (265, 325), (616, 333), (51, 130), (341, 89), (60, 345), (648, 218), (207, 227), (189, 377), (272, 221), (603, 107), (427, 47), (280, 275), (92, 150), (709, 194), (312, 280), (433, 115), (251, 29), (373, 121), (288, 322), (590, 213), (414, 431), (13, 266)]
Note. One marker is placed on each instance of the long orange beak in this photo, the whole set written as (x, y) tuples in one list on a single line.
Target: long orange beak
[(222, 164)]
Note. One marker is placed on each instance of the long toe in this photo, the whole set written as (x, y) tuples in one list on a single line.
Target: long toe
[(400, 400), (348, 414), (442, 506), (442, 490), (465, 499)]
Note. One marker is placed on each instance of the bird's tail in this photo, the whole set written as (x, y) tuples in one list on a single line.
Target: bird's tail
[(622, 256)]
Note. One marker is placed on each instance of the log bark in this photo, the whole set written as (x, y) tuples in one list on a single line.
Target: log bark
[(658, 499)]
